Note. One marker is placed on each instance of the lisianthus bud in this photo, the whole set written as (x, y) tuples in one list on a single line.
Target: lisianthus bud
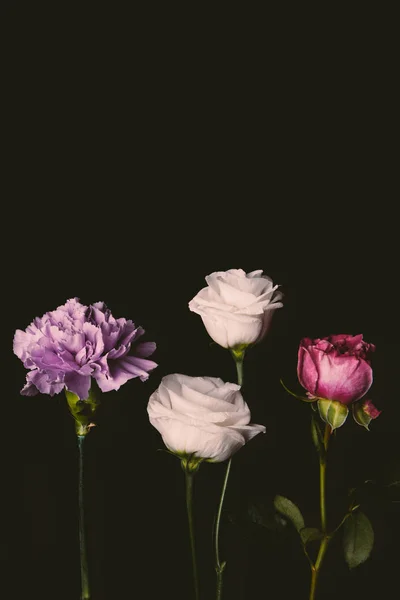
[(364, 412), (332, 412)]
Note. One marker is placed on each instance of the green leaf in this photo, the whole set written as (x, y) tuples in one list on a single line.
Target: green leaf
[(358, 539), (288, 509), (265, 516), (309, 534)]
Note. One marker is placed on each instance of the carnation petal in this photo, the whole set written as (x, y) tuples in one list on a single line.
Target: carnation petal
[(78, 384), (144, 349)]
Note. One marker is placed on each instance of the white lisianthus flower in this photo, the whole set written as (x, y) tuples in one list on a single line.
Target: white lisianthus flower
[(237, 307), (201, 416)]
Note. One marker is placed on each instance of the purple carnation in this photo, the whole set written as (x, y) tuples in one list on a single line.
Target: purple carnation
[(68, 346)]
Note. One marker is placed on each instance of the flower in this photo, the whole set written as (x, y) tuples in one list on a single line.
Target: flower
[(370, 409), (237, 307), (364, 412), (68, 346), (336, 367), (201, 416)]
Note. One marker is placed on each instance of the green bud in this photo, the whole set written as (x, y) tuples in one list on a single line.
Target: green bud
[(332, 412), (83, 411), (364, 412), (238, 351), (189, 462)]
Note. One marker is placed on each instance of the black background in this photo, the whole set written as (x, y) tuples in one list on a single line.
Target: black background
[(155, 154)]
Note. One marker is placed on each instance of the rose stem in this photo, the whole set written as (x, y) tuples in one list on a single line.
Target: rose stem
[(82, 540), (189, 505), (238, 356), (315, 568)]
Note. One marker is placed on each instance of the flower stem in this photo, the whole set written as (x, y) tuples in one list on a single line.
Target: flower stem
[(219, 567), (315, 569), (239, 370), (238, 356), (82, 538), (189, 505)]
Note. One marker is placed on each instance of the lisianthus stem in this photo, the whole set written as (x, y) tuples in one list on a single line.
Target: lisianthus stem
[(189, 505), (239, 371), (326, 538), (82, 538), (219, 567), (238, 356)]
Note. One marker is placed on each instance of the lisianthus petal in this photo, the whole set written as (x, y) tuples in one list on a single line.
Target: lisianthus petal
[(201, 384), (234, 304), (198, 405), (233, 296), (201, 415)]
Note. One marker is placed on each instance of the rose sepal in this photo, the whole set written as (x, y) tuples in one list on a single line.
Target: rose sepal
[(332, 412), (302, 398), (317, 438)]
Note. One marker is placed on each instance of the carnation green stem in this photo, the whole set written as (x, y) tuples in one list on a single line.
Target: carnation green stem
[(238, 356), (189, 505), (316, 567), (82, 538)]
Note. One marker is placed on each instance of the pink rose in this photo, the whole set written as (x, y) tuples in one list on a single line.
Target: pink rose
[(336, 367)]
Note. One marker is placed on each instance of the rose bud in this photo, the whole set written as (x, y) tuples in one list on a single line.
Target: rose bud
[(237, 307), (364, 412), (201, 417)]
